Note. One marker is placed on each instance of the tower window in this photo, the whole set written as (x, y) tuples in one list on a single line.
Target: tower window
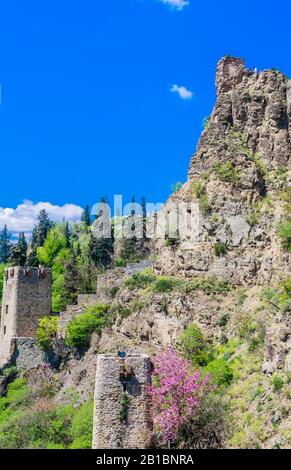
[(4, 330), (7, 309)]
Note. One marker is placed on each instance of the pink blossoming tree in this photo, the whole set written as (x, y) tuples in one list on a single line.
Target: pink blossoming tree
[(175, 394)]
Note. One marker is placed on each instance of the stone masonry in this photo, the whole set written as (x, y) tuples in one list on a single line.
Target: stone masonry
[(26, 298), (116, 378), (105, 282)]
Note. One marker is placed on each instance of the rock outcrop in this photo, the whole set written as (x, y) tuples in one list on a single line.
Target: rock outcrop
[(237, 177)]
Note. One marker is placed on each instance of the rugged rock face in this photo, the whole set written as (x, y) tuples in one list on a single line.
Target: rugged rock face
[(237, 176), (254, 104)]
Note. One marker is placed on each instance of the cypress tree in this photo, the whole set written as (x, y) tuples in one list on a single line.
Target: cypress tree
[(41, 229), (5, 245), (32, 259), (19, 251), (67, 235), (85, 218), (87, 280), (100, 251)]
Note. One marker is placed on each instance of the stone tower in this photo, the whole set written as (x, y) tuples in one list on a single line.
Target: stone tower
[(26, 298), (121, 419)]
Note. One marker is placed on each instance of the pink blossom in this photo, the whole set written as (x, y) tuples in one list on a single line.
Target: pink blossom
[(175, 394)]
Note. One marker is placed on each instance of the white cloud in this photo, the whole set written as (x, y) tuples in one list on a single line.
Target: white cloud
[(177, 4), (24, 216), (182, 92)]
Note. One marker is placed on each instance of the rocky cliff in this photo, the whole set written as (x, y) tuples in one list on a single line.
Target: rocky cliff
[(239, 177)]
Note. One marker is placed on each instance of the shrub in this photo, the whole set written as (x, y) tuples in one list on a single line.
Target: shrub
[(277, 382), (280, 298), (136, 305), (165, 284), (123, 410), (139, 280), (284, 232), (194, 347), (9, 372), (120, 262), (113, 291), (197, 188), (121, 310), (213, 219), (17, 391), (220, 249), (28, 420), (286, 197), (253, 331), (81, 426), (226, 172), (81, 327), (46, 332), (253, 219), (220, 372), (204, 205), (209, 285), (223, 320), (171, 242)]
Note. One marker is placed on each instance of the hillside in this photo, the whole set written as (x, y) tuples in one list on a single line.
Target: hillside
[(222, 300)]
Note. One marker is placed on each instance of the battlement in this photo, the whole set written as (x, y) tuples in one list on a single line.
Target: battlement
[(26, 298), (26, 275)]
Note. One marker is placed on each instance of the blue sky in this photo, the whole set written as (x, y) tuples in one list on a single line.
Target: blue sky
[(87, 108)]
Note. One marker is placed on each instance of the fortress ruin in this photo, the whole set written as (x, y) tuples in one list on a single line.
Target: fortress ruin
[(121, 415), (26, 298)]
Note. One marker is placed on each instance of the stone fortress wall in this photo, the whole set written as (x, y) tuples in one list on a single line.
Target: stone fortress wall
[(116, 378), (105, 282), (26, 298)]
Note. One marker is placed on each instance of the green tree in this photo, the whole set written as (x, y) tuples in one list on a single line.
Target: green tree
[(46, 332), (32, 259), (70, 288), (87, 278), (67, 234), (194, 346), (100, 251), (85, 218), (54, 251), (42, 228), (5, 245), (18, 252)]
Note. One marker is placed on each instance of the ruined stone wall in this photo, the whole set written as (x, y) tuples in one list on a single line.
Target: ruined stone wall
[(114, 277), (109, 432), (27, 355), (26, 298)]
